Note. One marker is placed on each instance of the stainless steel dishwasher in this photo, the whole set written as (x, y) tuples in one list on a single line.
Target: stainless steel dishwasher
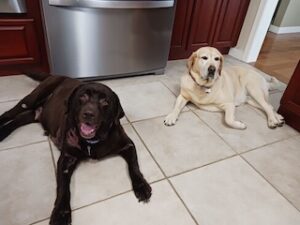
[(12, 6), (97, 39)]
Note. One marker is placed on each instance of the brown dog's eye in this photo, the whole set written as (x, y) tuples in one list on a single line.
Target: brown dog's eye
[(84, 98), (204, 57), (103, 102), (217, 58)]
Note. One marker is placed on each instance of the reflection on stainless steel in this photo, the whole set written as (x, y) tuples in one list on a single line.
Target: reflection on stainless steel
[(96, 42), (12, 6), (113, 4)]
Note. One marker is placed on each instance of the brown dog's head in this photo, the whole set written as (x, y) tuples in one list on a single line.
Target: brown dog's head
[(94, 108), (205, 65)]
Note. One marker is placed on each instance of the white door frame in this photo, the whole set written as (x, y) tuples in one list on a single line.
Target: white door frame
[(254, 30)]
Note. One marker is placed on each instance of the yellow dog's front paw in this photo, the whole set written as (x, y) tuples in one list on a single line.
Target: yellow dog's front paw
[(171, 119), (238, 125)]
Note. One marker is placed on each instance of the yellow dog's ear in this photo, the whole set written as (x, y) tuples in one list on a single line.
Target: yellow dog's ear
[(191, 60), (221, 65)]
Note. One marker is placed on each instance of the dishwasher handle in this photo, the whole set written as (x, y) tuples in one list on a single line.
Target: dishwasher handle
[(113, 4)]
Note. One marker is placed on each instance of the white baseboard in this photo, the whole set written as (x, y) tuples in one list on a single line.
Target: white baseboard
[(236, 53), (284, 30)]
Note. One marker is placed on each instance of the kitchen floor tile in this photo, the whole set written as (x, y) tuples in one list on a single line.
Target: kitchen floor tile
[(274, 100), (128, 81), (145, 101), (124, 120), (174, 71), (257, 133), (22, 136), (231, 192), (279, 163), (188, 144), (15, 87), (27, 187), (164, 208)]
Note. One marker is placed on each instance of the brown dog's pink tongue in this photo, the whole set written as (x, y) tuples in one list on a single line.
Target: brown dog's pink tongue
[(86, 129)]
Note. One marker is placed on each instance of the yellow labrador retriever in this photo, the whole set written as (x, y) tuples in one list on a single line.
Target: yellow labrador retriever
[(210, 87)]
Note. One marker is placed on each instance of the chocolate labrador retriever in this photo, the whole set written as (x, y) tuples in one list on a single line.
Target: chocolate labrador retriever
[(83, 120)]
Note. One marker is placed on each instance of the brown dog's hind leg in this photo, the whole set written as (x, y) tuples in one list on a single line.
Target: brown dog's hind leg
[(20, 120), (34, 99)]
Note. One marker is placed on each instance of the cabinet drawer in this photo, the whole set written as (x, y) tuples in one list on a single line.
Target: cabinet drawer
[(18, 42)]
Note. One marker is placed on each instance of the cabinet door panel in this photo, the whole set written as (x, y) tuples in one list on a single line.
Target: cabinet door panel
[(200, 23), (18, 42), (181, 28), (290, 102), (22, 43), (230, 22), (203, 23)]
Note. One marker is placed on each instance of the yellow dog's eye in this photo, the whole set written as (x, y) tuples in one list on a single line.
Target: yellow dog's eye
[(204, 57), (217, 58)]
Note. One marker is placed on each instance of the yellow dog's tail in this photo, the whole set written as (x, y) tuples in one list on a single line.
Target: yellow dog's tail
[(273, 84)]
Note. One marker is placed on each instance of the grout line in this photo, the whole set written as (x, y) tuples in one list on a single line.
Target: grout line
[(187, 171), (148, 150), (39, 221), (174, 189), (184, 204), (202, 166), (10, 100), (251, 149), (189, 212), (176, 95), (113, 196), (20, 146), (53, 158), (213, 130), (100, 201), (156, 117), (262, 146), (262, 176)]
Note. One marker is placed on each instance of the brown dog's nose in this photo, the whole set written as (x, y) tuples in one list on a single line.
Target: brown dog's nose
[(88, 115)]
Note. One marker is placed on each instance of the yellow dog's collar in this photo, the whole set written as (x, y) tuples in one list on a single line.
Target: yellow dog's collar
[(207, 90)]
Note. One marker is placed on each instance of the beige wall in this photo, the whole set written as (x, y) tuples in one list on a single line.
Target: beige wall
[(248, 23), (287, 14)]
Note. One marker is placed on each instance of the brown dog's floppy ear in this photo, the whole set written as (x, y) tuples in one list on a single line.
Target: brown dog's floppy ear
[(119, 111), (221, 65), (191, 60)]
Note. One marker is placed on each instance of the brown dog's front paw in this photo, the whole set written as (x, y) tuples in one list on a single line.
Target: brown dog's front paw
[(143, 191), (60, 217)]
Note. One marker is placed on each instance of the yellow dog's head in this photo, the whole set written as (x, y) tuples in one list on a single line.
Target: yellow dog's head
[(205, 65)]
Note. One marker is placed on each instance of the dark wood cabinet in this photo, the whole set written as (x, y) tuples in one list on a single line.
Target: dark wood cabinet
[(22, 42), (18, 42), (200, 23), (290, 102), (203, 23)]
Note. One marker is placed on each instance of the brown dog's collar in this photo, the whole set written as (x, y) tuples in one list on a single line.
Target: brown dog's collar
[(92, 142)]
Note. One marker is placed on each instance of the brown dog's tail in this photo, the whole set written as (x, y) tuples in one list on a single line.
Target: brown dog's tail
[(38, 76)]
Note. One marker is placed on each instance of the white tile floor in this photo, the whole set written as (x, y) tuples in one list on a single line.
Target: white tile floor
[(201, 172)]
